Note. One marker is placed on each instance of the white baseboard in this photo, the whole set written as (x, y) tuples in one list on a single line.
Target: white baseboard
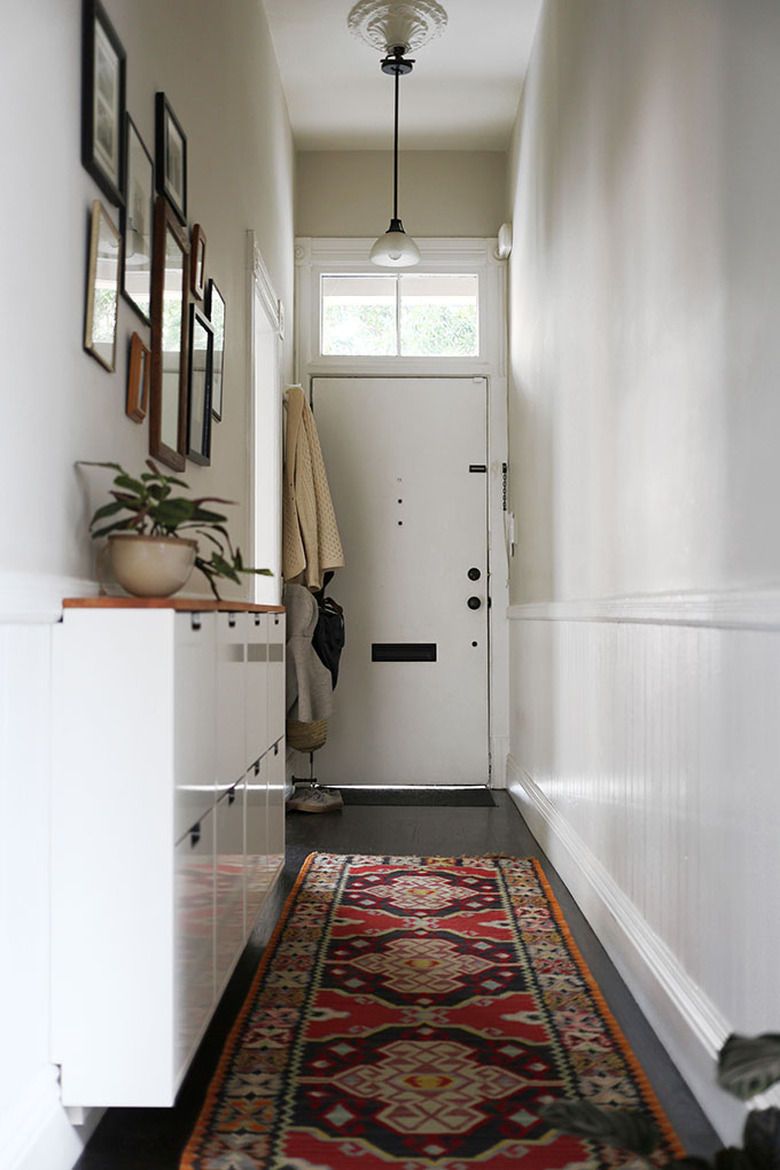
[(688, 1025), (35, 1132)]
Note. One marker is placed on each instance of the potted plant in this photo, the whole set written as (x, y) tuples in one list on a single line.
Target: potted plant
[(153, 534), (746, 1065)]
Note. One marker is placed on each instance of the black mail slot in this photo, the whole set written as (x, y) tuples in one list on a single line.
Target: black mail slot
[(403, 652)]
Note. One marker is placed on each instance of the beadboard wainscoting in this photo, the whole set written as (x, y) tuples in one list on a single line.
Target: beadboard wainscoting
[(644, 757)]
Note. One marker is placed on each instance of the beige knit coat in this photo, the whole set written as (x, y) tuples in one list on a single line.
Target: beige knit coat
[(310, 540)]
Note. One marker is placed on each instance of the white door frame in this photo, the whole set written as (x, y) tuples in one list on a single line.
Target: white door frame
[(317, 257)]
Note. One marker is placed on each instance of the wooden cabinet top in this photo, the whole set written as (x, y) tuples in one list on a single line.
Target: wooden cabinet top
[(185, 604)]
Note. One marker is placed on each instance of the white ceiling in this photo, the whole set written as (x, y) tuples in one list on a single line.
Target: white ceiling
[(461, 95)]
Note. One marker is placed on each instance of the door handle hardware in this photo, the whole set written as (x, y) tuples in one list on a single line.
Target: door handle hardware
[(482, 467), (474, 574), (474, 602)]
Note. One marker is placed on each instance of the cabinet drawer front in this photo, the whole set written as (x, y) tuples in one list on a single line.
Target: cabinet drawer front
[(276, 669), (257, 686), (194, 977), (276, 810), (195, 718), (257, 868), (232, 630), (230, 932)]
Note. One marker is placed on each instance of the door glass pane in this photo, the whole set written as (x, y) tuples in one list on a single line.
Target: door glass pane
[(358, 315), (439, 315)]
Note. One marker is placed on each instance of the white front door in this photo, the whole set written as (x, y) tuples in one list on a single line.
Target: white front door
[(406, 462)]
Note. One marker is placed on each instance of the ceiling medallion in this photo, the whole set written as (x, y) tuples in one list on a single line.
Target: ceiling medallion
[(387, 24)]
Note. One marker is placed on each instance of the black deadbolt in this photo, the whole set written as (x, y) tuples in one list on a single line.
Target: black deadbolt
[(474, 574), (474, 603)]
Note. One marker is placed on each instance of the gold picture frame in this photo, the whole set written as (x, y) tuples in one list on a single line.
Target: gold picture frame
[(102, 309)]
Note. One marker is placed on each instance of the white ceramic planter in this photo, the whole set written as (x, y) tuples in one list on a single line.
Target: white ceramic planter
[(151, 566)]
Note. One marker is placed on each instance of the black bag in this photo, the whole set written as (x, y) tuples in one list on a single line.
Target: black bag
[(328, 637)]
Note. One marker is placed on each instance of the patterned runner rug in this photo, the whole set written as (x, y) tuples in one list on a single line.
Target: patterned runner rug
[(416, 1012)]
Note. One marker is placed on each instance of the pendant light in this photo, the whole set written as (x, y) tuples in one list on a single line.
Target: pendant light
[(395, 249)]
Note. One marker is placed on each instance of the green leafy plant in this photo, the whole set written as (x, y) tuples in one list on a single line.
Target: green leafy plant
[(147, 506), (746, 1065)]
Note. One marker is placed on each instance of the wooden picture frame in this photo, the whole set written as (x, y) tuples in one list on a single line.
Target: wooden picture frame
[(102, 302), (103, 86), (215, 311), (168, 386), (199, 388), (138, 377), (138, 223), (198, 262), (170, 157)]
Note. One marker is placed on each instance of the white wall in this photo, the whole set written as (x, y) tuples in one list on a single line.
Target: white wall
[(217, 66), (644, 415), (440, 192)]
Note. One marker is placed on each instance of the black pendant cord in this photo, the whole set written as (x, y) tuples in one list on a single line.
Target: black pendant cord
[(395, 152)]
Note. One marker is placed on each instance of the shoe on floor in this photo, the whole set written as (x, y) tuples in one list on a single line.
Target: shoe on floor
[(315, 800)]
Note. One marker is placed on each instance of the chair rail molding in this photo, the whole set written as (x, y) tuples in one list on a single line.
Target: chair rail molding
[(757, 609)]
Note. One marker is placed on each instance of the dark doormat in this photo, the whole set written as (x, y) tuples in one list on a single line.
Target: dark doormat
[(476, 797)]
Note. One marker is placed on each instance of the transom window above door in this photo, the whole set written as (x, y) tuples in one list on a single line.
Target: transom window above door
[(400, 315)]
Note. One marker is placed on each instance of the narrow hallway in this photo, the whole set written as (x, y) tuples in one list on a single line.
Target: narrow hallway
[(153, 1138)]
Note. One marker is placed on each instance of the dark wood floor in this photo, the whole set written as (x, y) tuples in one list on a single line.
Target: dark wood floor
[(152, 1139)]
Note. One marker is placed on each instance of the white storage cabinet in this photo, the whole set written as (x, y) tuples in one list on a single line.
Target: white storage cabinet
[(167, 832)]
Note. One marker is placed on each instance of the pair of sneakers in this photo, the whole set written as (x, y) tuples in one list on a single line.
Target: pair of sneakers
[(311, 798)]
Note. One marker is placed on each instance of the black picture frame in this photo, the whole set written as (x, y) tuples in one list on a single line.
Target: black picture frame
[(103, 89), (215, 311), (138, 223), (168, 387), (198, 262), (199, 367), (170, 157)]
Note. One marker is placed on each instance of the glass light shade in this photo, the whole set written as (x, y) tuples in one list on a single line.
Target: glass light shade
[(395, 249)]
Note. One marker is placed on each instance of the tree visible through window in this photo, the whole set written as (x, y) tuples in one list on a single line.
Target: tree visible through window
[(420, 315)]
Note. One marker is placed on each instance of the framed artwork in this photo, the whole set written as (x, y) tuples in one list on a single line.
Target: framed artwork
[(103, 102), (215, 309), (199, 392), (138, 373), (105, 250), (137, 224), (171, 157), (198, 262), (168, 385)]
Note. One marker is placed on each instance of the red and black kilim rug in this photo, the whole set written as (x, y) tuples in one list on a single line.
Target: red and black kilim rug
[(416, 1013)]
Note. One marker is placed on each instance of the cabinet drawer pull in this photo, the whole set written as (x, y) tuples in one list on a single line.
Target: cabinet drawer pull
[(195, 835), (232, 796), (195, 621)]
